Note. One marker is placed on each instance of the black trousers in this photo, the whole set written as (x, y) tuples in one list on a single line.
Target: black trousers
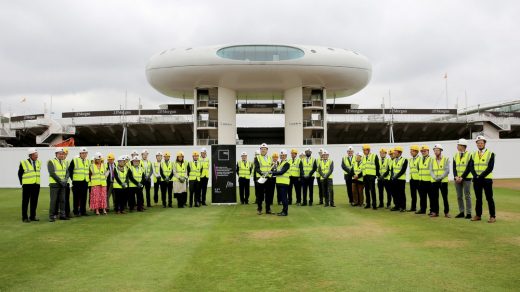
[(434, 202), (182, 198), (166, 187), (132, 193), (398, 193), (79, 197), (157, 186), (294, 182), (67, 202), (194, 192), (120, 196), (30, 195), (283, 189), (424, 193), (414, 187), (243, 190), (328, 191), (147, 186), (203, 189), (320, 189), (265, 193), (256, 189), (348, 183), (381, 191), (57, 200), (308, 186), (485, 185), (271, 185), (370, 190)]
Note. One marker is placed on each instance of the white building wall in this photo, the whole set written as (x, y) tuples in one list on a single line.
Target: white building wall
[(506, 163)]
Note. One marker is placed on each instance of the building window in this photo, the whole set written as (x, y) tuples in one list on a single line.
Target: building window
[(263, 53)]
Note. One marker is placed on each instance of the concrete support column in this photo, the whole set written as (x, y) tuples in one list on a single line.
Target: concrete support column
[(293, 98), (227, 116), (324, 116), (195, 117)]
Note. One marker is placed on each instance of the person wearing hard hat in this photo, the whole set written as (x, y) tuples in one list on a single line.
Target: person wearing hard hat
[(147, 167), (29, 177), (483, 164), (244, 169), (295, 182), (357, 180), (263, 164), (120, 185), (180, 180), (439, 170), (369, 176), (271, 183), (204, 175), (166, 172), (413, 165), (307, 171), (57, 182), (110, 168), (383, 183), (462, 166), (325, 169), (318, 177), (157, 180), (282, 175), (424, 179), (347, 164), (98, 185), (194, 172), (133, 155), (398, 177), (79, 168), (135, 185)]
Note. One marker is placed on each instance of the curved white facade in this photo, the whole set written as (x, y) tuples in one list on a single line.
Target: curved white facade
[(176, 72)]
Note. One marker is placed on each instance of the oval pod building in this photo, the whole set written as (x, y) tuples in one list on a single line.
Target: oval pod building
[(304, 77)]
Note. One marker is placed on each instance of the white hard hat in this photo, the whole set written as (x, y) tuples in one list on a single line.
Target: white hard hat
[(58, 149), (82, 150), (462, 142), (158, 153), (480, 137), (32, 151), (144, 151), (136, 158), (350, 148), (283, 152), (122, 158), (325, 152), (257, 152), (126, 157), (302, 153), (321, 150), (359, 154), (203, 150), (134, 153), (243, 153), (263, 145), (308, 149), (98, 155), (438, 146)]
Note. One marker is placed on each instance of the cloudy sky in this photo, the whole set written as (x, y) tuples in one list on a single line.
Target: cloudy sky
[(87, 54)]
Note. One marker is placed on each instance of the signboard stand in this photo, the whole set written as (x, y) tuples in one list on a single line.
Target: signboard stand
[(223, 167)]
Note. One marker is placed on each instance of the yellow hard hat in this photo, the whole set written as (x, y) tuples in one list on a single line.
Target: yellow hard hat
[(294, 150), (391, 151), (65, 149), (414, 147), (425, 147), (275, 154), (111, 156), (167, 154), (180, 153), (194, 153), (383, 150), (398, 148), (366, 146)]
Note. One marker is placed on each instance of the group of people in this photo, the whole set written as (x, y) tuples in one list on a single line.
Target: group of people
[(127, 182)]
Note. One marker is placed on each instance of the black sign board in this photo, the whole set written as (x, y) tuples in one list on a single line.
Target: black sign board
[(259, 105), (395, 111), (223, 166), (26, 118), (144, 112)]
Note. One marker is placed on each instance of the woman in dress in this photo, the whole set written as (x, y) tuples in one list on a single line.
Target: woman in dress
[(98, 185)]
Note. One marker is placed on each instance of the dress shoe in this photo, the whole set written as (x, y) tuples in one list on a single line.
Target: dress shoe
[(268, 212), (433, 215), (394, 209), (259, 212), (367, 207), (492, 220), (374, 208), (476, 218), (411, 210), (282, 214), (332, 205), (420, 212), (304, 204), (26, 221), (65, 218), (34, 219), (460, 215), (447, 215), (468, 216)]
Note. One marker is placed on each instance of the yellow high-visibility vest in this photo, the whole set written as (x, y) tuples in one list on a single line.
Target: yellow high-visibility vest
[(358, 168), (167, 167), (137, 174), (180, 169), (31, 175), (265, 164), (384, 166), (295, 167), (481, 162), (98, 175), (122, 176), (80, 169), (397, 165), (283, 179), (461, 163), (413, 165), (438, 167), (205, 167), (60, 169), (308, 163), (424, 169), (244, 169), (348, 163), (194, 171), (370, 164), (157, 170), (325, 166)]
